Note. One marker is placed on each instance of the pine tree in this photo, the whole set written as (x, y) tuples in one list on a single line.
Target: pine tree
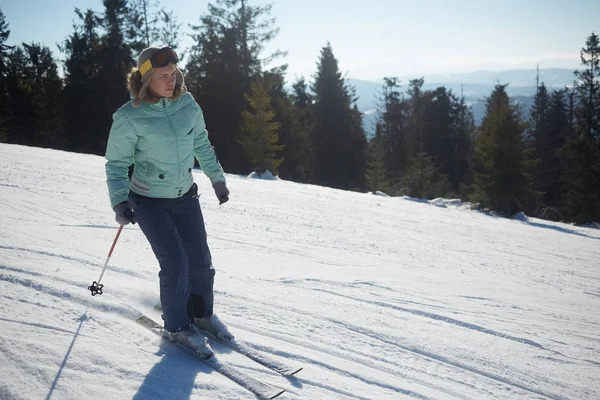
[(47, 92), (338, 140), (582, 180), (83, 88), (290, 133), (110, 60), (581, 154), (421, 178), (427, 135), (117, 58), (550, 177), (448, 131), (390, 128), (21, 107), (462, 146), (438, 127), (588, 89), (297, 153), (502, 169), (357, 149), (376, 171), (417, 119), (32, 81), (147, 25), (538, 119), (539, 141), (4, 98), (224, 60), (428, 126), (572, 122), (558, 119), (4, 48), (96, 65), (260, 134), (168, 33), (142, 25)]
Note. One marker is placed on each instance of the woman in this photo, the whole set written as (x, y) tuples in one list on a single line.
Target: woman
[(160, 131)]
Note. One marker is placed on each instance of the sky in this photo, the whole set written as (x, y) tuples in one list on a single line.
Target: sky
[(377, 38), (375, 297)]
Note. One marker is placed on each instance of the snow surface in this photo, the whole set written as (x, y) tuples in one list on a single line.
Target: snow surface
[(377, 297)]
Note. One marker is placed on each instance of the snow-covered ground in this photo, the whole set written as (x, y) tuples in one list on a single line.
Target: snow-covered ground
[(377, 297)]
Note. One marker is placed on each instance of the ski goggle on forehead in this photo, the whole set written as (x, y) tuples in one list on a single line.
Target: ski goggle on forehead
[(160, 59)]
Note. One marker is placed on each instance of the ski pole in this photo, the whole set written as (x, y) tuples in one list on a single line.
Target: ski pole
[(96, 287)]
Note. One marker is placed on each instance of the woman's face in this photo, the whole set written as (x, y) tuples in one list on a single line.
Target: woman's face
[(163, 81)]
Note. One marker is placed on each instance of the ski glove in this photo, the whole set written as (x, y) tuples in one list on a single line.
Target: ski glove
[(124, 214), (221, 191)]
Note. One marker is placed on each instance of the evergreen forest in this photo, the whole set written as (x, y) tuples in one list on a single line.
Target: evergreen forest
[(426, 142)]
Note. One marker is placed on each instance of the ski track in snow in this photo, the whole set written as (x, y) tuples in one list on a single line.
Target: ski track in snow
[(332, 367), (394, 342), (74, 259), (437, 317), (377, 298)]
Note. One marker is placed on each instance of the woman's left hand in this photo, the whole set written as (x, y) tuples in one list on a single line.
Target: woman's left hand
[(221, 191)]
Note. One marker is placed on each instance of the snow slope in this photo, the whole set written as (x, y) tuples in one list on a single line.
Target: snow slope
[(378, 297)]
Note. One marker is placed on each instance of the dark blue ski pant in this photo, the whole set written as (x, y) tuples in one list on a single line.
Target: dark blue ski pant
[(176, 232)]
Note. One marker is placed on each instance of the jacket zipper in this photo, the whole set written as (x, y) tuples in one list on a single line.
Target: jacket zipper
[(176, 145)]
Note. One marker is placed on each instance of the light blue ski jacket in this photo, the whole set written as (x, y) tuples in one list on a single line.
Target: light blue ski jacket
[(160, 140)]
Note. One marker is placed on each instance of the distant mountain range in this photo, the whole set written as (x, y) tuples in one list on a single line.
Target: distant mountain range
[(552, 77), (475, 86)]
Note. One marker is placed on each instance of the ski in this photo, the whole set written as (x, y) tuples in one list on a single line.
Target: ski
[(261, 389), (261, 358)]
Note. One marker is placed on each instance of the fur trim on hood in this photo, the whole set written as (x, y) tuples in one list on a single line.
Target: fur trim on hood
[(140, 91)]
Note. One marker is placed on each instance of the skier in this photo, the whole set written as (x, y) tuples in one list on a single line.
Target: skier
[(159, 131)]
